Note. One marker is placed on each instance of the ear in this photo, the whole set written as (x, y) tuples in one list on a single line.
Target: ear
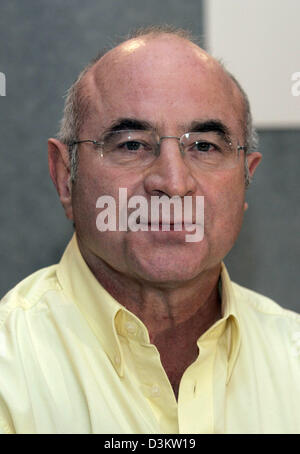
[(253, 161), (58, 161)]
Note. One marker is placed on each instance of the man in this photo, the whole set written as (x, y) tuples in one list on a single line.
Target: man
[(138, 330)]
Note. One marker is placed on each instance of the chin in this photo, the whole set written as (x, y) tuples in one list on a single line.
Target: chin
[(167, 267), (165, 277)]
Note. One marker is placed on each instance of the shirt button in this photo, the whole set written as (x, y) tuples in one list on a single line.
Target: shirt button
[(155, 391), (130, 327), (117, 360)]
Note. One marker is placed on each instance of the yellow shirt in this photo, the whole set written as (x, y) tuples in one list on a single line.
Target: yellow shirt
[(73, 360)]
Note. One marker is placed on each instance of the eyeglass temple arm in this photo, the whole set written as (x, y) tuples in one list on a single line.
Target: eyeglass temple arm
[(74, 142), (241, 147)]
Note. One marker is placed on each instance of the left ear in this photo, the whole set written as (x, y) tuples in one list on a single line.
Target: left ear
[(58, 159), (253, 160)]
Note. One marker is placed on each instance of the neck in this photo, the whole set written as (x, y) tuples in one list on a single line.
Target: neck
[(164, 308)]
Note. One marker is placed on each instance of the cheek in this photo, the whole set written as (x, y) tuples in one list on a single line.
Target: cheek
[(84, 209), (94, 181), (224, 206), (89, 185), (87, 190)]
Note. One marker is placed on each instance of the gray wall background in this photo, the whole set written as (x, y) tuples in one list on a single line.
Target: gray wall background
[(43, 46)]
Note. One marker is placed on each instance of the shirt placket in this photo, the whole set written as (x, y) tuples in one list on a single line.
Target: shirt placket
[(196, 391), (151, 376)]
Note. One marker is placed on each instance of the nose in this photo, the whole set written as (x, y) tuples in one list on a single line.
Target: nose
[(170, 174)]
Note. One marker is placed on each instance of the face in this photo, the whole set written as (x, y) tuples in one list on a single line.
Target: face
[(170, 84)]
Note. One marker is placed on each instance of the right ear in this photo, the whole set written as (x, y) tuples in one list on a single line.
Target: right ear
[(59, 167)]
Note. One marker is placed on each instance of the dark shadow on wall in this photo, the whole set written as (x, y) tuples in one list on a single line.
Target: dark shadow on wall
[(266, 255)]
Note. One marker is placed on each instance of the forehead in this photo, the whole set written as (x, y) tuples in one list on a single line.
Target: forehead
[(165, 80)]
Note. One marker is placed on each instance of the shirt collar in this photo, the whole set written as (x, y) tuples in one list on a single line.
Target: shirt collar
[(108, 318), (231, 310), (98, 307), (229, 320)]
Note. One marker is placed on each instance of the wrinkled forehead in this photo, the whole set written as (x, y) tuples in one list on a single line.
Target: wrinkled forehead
[(147, 76)]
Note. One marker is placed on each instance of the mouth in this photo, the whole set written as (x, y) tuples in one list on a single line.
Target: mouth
[(168, 227)]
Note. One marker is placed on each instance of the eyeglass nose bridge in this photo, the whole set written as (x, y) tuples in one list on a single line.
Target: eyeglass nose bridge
[(171, 137)]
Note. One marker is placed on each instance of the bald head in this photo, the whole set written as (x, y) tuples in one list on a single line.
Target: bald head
[(148, 67), (154, 63)]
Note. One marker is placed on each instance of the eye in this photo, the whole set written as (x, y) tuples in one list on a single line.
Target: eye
[(203, 146), (133, 145)]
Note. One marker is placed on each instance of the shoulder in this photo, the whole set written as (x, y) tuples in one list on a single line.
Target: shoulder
[(20, 331), (28, 293), (256, 302), (264, 320)]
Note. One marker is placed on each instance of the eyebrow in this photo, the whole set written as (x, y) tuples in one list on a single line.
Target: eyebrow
[(211, 125), (123, 124)]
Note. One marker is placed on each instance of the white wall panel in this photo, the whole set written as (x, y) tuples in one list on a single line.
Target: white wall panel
[(259, 42)]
